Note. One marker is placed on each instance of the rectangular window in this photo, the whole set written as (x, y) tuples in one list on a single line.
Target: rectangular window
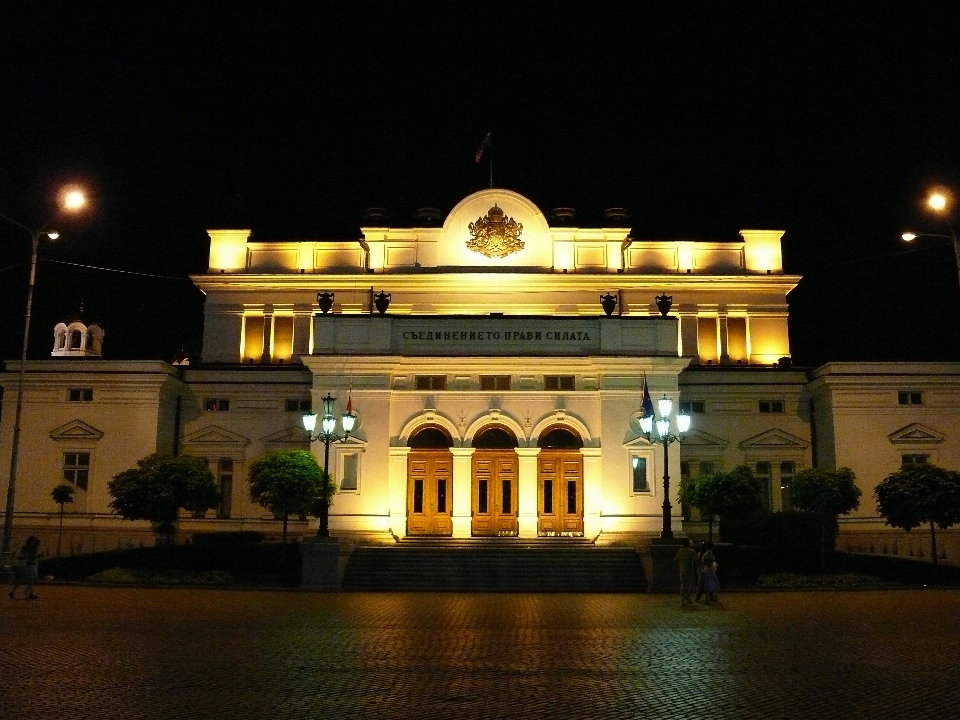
[(418, 496), (639, 474), (787, 470), (914, 459), (225, 478), (571, 497), (216, 405), (506, 499), (558, 382), (763, 475), (693, 406), (76, 469), (80, 395), (548, 497), (494, 382), (707, 468), (302, 406), (350, 469), (771, 406), (431, 382), (441, 496), (482, 497), (910, 397)]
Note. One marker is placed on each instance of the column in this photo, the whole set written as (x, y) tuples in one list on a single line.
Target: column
[(527, 491), (301, 330), (397, 490), (462, 490), (592, 492), (265, 357), (724, 339), (688, 332)]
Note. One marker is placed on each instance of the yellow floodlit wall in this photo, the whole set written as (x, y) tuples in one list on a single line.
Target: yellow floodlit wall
[(768, 339), (228, 249), (762, 250), (282, 338), (252, 338), (707, 343), (737, 339)]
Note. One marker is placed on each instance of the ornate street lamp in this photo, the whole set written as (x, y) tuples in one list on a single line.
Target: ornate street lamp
[(327, 435), (71, 200), (662, 424)]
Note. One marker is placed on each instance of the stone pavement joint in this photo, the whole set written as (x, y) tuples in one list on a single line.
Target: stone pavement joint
[(104, 653)]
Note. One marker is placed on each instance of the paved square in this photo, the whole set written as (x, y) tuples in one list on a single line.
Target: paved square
[(102, 653)]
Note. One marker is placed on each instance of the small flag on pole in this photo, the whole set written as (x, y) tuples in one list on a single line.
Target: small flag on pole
[(647, 406), (483, 147)]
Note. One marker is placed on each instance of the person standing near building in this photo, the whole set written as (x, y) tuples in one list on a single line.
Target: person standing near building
[(27, 563), (686, 563), (698, 561), (711, 584)]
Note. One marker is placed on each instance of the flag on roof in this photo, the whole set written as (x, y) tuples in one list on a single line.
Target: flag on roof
[(483, 147), (647, 406)]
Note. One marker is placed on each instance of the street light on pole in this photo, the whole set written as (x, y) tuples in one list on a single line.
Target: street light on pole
[(71, 200), (327, 435), (647, 423), (938, 202)]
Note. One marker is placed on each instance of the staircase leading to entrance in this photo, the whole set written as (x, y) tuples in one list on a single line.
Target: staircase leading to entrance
[(494, 565)]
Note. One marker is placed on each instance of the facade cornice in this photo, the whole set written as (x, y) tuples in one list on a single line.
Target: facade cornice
[(503, 281)]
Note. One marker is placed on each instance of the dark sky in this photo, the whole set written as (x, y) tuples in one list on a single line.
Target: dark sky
[(827, 120)]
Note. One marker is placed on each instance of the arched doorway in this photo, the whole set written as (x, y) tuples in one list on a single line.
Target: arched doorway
[(430, 482), (560, 483), (495, 467)]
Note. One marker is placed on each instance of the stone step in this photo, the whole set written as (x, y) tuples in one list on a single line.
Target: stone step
[(485, 567)]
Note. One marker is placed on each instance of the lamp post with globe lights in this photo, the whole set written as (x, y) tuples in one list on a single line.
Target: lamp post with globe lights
[(72, 200), (327, 435), (662, 424)]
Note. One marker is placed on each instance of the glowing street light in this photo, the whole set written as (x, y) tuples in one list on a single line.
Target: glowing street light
[(73, 200), (939, 201), (647, 423), (327, 435)]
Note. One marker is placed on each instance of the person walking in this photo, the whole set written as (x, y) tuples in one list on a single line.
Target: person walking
[(698, 560), (686, 563), (711, 584), (27, 562)]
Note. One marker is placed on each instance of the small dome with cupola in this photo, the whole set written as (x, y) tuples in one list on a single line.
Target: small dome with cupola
[(77, 337)]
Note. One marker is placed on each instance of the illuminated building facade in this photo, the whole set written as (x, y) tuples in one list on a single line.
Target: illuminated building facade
[(495, 359)]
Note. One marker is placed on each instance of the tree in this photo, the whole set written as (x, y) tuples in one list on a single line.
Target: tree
[(917, 494), (289, 482), (827, 494), (723, 494), (162, 485), (61, 494)]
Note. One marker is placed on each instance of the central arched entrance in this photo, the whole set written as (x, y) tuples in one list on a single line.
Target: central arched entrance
[(560, 483), (430, 483), (495, 467)]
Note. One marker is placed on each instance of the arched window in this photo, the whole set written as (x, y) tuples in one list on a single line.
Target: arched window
[(560, 438), (495, 438), (430, 437), (76, 339)]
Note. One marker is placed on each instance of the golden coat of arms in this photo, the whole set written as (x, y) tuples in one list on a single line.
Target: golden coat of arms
[(495, 235)]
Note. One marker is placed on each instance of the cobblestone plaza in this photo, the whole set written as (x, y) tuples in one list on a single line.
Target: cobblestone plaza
[(86, 652)]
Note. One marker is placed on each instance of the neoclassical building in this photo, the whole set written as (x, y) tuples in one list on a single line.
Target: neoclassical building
[(495, 358)]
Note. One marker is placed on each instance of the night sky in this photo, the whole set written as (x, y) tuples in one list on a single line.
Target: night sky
[(828, 120)]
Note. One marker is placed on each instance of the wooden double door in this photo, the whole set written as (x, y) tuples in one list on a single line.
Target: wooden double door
[(559, 493), (430, 492), (494, 511)]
